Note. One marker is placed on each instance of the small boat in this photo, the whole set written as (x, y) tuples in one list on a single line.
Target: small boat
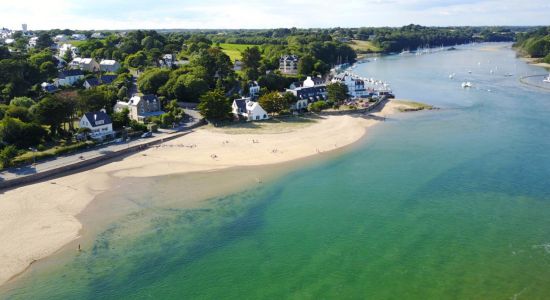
[(452, 76), (547, 79), (508, 75), (469, 72), (466, 84)]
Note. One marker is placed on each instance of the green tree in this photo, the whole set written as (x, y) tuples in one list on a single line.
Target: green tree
[(19, 112), (4, 52), (189, 87), (6, 155), (214, 64), (214, 105), (50, 111), (122, 93), (48, 70), (22, 101), (274, 102), (68, 57), (151, 80), (317, 106), (251, 58), (44, 41), (337, 92), (93, 100), (136, 60), (21, 134), (121, 119), (306, 65)]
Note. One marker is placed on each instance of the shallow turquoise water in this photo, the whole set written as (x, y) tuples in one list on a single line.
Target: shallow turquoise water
[(449, 204)]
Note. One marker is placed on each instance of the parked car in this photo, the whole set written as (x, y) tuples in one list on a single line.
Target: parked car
[(147, 134)]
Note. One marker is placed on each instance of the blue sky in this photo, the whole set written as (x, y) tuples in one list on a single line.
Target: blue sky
[(157, 14)]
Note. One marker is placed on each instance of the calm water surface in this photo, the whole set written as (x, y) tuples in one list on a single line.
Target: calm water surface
[(448, 204)]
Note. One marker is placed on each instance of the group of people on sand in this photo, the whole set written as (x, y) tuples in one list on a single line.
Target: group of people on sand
[(175, 146)]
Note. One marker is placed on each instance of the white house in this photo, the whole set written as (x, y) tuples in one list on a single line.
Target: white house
[(288, 64), (356, 86), (78, 37), (60, 38), (238, 65), (68, 47), (32, 41), (86, 64), (167, 60), (311, 82), (48, 87), (68, 77), (99, 123), (248, 109), (109, 65), (97, 35), (141, 107), (253, 89)]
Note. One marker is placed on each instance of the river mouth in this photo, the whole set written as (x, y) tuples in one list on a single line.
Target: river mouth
[(446, 204)]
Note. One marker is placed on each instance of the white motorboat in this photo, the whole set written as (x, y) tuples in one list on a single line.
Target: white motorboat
[(547, 79), (466, 84)]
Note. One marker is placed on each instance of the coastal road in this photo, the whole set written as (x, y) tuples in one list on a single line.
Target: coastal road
[(65, 160)]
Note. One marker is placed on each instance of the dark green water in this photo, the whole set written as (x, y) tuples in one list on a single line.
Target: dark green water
[(449, 204)]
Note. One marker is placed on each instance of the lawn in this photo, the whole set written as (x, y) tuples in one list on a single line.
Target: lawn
[(271, 126), (234, 50), (364, 46), (74, 42)]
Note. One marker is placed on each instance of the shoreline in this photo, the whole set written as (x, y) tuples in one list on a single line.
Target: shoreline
[(534, 62), (38, 220)]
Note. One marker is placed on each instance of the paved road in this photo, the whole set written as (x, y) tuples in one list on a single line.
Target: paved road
[(65, 160)]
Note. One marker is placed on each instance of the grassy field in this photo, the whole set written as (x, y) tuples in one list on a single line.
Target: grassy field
[(74, 42), (412, 105), (276, 125), (364, 46), (234, 50)]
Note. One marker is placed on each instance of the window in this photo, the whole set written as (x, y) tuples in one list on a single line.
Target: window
[(257, 117)]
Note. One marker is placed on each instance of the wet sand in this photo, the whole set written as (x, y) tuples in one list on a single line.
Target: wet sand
[(39, 219)]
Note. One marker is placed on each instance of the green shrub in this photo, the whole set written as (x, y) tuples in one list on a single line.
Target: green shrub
[(317, 106), (29, 157), (6, 156), (136, 126)]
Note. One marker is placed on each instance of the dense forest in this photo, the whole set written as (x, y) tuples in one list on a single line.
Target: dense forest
[(386, 39), (535, 43)]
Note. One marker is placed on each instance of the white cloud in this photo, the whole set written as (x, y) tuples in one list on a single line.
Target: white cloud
[(128, 14)]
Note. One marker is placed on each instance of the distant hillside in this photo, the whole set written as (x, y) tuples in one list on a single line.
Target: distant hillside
[(535, 43)]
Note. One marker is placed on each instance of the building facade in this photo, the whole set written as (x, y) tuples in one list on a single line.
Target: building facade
[(99, 123), (288, 64)]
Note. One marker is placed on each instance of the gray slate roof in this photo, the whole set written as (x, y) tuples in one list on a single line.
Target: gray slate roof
[(95, 117)]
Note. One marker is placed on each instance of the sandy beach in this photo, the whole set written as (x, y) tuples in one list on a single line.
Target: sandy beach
[(38, 219), (535, 62)]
